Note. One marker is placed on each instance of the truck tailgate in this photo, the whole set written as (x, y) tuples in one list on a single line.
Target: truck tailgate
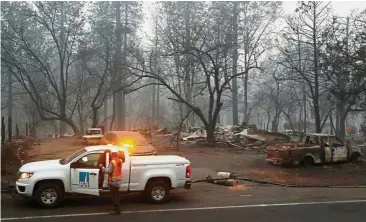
[(278, 154)]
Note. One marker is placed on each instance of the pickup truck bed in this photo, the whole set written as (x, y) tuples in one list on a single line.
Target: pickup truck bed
[(158, 160)]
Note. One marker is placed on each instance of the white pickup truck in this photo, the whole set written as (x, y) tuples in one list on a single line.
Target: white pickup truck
[(47, 182)]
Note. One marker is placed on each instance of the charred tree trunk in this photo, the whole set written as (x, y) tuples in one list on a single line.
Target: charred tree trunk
[(305, 113), (16, 131), (9, 128), (94, 117), (342, 122), (210, 131), (235, 68), (316, 76), (118, 71), (123, 95), (105, 113), (72, 125), (81, 115), (62, 102), (246, 118), (26, 129), (2, 130), (188, 77)]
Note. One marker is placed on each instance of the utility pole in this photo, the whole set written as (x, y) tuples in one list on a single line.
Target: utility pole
[(158, 73), (10, 104), (124, 73), (235, 66), (117, 99), (300, 69), (61, 85)]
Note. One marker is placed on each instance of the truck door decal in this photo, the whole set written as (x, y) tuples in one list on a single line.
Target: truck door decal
[(84, 180)]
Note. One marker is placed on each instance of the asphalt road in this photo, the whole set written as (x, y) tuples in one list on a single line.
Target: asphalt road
[(207, 201), (349, 211)]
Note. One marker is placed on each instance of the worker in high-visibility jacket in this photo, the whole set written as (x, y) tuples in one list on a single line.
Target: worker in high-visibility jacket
[(114, 172)]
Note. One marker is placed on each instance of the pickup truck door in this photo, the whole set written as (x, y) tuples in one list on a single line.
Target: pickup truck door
[(339, 150), (327, 150), (84, 174), (125, 173)]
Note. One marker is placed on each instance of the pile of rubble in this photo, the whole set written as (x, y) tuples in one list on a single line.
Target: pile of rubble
[(238, 134), (237, 137)]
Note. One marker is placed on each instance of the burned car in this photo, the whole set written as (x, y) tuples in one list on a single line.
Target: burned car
[(313, 149)]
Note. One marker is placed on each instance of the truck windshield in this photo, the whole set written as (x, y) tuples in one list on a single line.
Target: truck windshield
[(93, 132), (72, 156)]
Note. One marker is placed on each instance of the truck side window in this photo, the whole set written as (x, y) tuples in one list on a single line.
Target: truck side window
[(336, 143), (89, 161)]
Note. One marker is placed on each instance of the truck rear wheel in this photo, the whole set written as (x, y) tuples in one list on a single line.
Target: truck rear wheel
[(308, 161), (355, 157), (49, 195), (157, 191)]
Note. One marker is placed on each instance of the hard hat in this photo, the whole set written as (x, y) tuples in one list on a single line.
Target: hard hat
[(114, 151)]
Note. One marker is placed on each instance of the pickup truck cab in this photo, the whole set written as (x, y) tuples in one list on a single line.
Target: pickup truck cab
[(311, 149), (47, 182)]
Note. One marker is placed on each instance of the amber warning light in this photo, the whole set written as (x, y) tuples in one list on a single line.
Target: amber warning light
[(126, 145)]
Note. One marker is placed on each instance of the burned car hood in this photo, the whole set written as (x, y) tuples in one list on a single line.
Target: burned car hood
[(143, 150)]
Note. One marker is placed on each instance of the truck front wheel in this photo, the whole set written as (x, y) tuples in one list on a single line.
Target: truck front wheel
[(157, 191), (355, 157), (49, 195)]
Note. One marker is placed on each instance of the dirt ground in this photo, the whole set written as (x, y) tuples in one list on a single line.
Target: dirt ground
[(207, 161)]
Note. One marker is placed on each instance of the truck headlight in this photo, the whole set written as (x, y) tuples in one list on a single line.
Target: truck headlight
[(25, 175)]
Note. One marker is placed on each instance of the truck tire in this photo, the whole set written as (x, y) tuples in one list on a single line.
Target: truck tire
[(308, 161), (49, 195), (355, 157), (157, 191)]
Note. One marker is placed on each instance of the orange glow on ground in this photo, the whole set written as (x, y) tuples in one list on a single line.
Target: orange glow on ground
[(238, 187)]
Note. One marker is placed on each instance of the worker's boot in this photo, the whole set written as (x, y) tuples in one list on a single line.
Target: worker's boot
[(115, 212)]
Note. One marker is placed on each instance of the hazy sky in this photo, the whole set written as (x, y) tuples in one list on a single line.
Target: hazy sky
[(341, 8)]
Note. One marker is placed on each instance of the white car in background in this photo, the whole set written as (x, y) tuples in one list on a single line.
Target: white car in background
[(93, 136)]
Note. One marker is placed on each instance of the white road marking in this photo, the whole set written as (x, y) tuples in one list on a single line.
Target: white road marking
[(186, 209)]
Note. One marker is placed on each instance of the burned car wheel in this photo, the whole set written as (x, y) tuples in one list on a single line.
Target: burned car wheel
[(308, 161), (355, 157)]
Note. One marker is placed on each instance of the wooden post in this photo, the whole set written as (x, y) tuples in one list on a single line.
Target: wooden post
[(17, 130), (2, 130), (26, 129), (9, 128)]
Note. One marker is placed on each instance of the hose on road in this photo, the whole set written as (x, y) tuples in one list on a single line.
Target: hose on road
[(209, 179)]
